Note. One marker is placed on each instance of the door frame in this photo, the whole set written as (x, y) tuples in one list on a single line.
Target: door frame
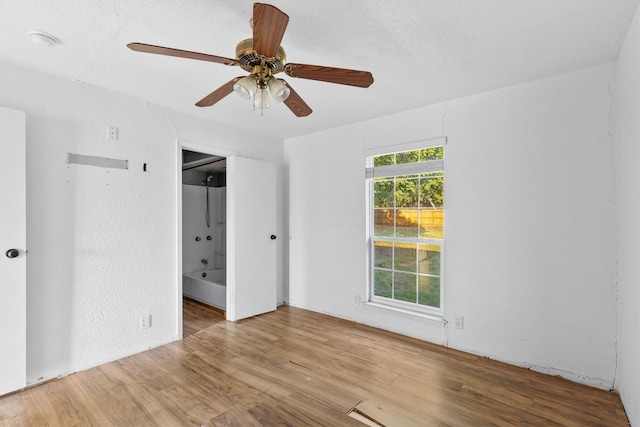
[(200, 148)]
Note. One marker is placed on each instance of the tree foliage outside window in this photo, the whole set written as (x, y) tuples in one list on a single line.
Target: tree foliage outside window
[(408, 230)]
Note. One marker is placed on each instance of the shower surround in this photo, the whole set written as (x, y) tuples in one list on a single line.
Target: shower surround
[(204, 247)]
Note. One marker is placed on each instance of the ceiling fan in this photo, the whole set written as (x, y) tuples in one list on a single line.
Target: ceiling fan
[(263, 57)]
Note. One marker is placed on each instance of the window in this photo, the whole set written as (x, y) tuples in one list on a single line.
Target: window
[(406, 229)]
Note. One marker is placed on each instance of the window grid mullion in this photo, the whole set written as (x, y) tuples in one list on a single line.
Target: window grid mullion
[(393, 245), (393, 270), (417, 277)]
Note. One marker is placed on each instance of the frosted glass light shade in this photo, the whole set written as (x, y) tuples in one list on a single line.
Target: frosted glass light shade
[(278, 89), (245, 87), (261, 99)]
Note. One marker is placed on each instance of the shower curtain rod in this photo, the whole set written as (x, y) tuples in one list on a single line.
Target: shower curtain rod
[(198, 163)]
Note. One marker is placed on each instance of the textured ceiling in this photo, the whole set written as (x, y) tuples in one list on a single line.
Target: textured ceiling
[(419, 51)]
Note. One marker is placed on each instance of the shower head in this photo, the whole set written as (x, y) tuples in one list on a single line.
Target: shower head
[(207, 181)]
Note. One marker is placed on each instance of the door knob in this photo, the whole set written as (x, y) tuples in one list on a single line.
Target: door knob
[(273, 237), (13, 253)]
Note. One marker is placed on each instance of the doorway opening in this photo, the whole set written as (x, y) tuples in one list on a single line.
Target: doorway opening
[(204, 230), (247, 213)]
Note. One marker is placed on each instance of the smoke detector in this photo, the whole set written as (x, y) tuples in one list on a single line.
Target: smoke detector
[(43, 39)]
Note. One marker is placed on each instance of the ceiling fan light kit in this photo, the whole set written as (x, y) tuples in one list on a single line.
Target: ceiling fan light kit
[(263, 57), (245, 87), (278, 89), (261, 99)]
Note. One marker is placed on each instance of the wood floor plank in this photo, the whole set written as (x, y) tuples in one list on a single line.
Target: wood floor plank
[(302, 381), (299, 410), (13, 409), (198, 316), (494, 412), (295, 367), (236, 416), (389, 414)]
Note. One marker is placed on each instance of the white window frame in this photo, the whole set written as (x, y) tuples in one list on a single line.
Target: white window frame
[(399, 170)]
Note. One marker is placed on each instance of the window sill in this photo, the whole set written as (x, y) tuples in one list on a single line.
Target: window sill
[(435, 319)]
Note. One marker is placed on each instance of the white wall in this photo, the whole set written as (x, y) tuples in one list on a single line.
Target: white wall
[(529, 250), (627, 166), (102, 242)]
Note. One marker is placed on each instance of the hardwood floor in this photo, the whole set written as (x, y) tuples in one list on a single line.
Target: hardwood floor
[(295, 368), (197, 316)]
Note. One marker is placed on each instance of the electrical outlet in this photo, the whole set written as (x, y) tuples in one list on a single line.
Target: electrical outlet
[(145, 321), (356, 299), (459, 322), (112, 133)]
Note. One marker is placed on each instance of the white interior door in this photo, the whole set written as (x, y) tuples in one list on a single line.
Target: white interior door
[(251, 239), (13, 242)]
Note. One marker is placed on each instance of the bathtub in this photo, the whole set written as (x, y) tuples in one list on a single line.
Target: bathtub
[(210, 289)]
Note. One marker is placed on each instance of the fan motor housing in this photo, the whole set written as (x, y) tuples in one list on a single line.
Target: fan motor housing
[(248, 58)]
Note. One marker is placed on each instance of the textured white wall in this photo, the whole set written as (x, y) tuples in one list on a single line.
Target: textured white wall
[(627, 149), (102, 243), (529, 252)]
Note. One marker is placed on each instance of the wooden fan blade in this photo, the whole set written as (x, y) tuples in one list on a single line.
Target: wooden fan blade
[(296, 104), (269, 24), (160, 50), (330, 74), (218, 94)]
